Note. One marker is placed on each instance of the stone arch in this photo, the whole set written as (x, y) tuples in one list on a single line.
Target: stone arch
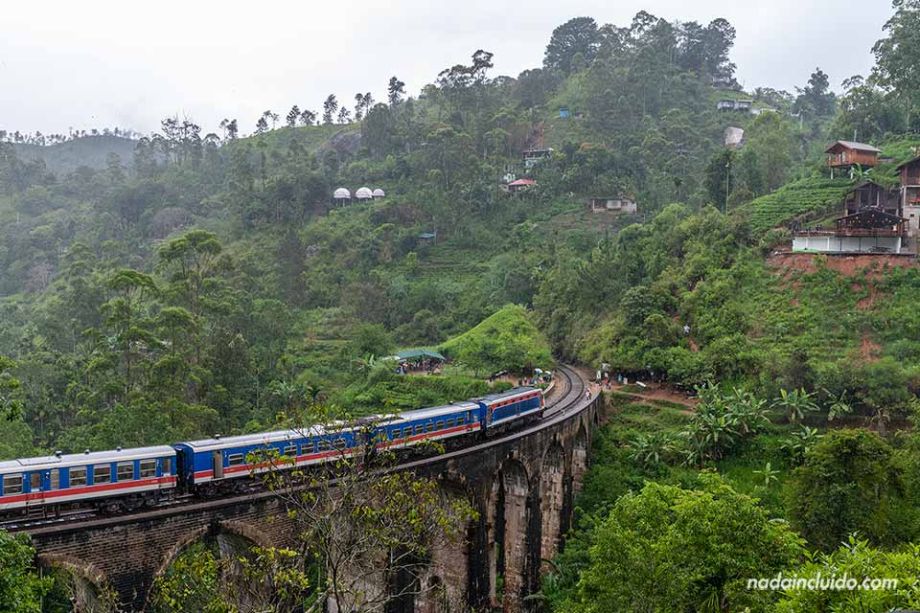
[(247, 531), (552, 501), (509, 519), (441, 583), (89, 587), (244, 531)]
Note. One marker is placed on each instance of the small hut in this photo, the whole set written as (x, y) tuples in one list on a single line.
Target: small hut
[(846, 154), (378, 193), (364, 193), (341, 196)]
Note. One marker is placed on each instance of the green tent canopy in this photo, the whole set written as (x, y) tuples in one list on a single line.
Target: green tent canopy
[(418, 354)]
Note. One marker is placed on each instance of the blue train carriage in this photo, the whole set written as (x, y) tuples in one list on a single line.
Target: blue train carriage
[(101, 477), (511, 406), (430, 424), (223, 458)]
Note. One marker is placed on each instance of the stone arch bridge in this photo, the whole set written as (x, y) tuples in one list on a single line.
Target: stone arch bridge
[(522, 485)]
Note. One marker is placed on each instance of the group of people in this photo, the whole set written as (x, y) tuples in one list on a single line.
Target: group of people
[(429, 366)]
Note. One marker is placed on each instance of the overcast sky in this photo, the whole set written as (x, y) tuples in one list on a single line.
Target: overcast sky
[(98, 63)]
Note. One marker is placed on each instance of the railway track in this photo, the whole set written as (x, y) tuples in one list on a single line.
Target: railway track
[(572, 398)]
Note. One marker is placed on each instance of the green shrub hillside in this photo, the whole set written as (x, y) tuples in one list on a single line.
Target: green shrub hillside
[(811, 196), (506, 340)]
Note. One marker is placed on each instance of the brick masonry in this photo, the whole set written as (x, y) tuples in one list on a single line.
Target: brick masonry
[(522, 487)]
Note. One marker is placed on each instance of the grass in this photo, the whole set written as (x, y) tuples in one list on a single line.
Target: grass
[(812, 196)]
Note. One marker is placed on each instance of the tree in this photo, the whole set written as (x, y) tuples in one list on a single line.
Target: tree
[(307, 118), (670, 549), (21, 588), (344, 115), (576, 37), (330, 106), (271, 116), (230, 128), (292, 116), (856, 559), (10, 394), (847, 484), (815, 99), (261, 126), (366, 531), (897, 56), (396, 89), (796, 404), (718, 180)]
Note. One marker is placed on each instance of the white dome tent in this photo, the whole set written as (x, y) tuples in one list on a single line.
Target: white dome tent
[(341, 194), (379, 193), (364, 193)]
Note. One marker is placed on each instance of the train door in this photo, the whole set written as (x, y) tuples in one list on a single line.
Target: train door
[(36, 488), (217, 463), (182, 475)]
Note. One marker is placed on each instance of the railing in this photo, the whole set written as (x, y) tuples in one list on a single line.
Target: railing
[(860, 232)]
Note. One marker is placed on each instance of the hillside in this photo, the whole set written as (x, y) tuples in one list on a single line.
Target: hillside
[(90, 151)]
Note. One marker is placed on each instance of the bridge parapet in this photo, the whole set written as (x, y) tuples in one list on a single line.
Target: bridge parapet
[(522, 485)]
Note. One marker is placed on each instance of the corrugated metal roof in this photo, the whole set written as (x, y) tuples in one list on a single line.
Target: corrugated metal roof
[(854, 145)]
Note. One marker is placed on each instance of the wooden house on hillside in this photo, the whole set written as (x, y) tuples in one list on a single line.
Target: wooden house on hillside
[(872, 222), (846, 154), (620, 204), (532, 157), (870, 194), (909, 174)]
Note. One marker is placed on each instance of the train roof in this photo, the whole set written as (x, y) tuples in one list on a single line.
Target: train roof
[(258, 438), (438, 411), (82, 459), (514, 391)]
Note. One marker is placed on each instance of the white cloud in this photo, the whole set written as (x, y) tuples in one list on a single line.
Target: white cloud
[(102, 63)]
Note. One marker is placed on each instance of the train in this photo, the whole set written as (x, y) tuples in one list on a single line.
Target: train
[(127, 479)]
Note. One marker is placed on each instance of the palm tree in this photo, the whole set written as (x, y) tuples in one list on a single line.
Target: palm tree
[(768, 475), (795, 404)]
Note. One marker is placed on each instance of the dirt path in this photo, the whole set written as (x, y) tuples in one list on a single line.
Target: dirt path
[(655, 391)]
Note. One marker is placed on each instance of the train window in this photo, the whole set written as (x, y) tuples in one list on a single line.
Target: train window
[(235, 459), (450, 423), (419, 429), (440, 425), (429, 427), (78, 476), (167, 466), (12, 484), (340, 443), (148, 468), (55, 480), (461, 420), (125, 471), (291, 450), (35, 481), (102, 474), (323, 445)]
